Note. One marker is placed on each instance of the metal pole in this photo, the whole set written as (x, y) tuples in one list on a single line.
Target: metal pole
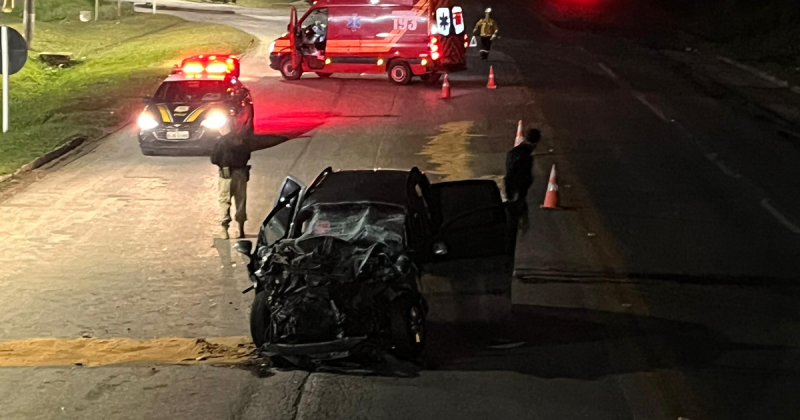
[(4, 47), (154, 6), (119, 9), (96, 9), (29, 20)]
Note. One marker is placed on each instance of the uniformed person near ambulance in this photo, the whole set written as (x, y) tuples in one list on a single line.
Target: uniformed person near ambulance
[(231, 156), (486, 28)]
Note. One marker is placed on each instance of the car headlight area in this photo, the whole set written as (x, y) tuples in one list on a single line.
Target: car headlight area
[(147, 122), (216, 120)]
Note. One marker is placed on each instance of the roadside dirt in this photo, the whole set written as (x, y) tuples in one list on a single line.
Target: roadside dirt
[(98, 352)]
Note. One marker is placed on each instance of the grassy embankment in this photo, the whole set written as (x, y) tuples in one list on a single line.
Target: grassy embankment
[(120, 61), (261, 4)]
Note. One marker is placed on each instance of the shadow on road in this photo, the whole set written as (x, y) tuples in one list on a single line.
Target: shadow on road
[(552, 342)]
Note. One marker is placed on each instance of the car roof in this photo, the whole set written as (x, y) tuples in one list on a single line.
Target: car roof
[(378, 186), (180, 77)]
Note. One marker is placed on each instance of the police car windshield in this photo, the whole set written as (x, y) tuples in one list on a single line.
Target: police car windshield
[(191, 91)]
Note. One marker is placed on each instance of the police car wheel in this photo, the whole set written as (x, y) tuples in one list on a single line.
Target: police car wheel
[(400, 73), (288, 72)]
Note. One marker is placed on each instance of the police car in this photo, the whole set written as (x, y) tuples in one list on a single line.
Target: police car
[(199, 105)]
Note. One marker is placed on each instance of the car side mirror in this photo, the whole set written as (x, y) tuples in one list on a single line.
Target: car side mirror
[(244, 247), (146, 100), (440, 249)]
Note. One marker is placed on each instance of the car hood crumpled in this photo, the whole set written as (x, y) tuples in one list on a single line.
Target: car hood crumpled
[(332, 282)]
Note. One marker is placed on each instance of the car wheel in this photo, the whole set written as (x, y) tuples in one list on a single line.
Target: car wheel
[(324, 75), (431, 78), (400, 73), (288, 72), (408, 326), (259, 319)]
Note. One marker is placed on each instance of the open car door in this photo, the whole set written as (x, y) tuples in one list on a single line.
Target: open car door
[(279, 220), (472, 219), (293, 35)]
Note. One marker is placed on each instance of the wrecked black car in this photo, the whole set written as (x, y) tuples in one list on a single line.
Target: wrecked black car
[(337, 265)]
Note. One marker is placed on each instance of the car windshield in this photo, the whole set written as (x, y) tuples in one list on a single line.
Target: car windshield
[(191, 91), (354, 223)]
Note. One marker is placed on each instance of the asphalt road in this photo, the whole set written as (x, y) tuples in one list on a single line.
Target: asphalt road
[(665, 289)]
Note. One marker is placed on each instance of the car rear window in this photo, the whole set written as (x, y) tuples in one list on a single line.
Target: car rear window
[(192, 91)]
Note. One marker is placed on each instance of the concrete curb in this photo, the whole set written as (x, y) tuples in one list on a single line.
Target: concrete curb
[(46, 158), (185, 9)]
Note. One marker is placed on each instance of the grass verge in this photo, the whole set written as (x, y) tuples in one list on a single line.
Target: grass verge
[(260, 4), (120, 61)]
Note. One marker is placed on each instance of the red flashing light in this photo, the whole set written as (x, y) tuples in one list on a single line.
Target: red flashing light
[(434, 48), (192, 68), (217, 68), (434, 40), (435, 55)]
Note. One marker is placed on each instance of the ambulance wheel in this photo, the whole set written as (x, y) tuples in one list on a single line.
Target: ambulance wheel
[(431, 78), (324, 75), (400, 73), (288, 72)]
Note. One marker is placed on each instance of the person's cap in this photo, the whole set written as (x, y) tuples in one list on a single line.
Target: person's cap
[(488, 10), (533, 135)]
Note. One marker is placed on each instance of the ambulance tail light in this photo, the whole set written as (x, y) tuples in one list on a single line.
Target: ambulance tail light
[(435, 48)]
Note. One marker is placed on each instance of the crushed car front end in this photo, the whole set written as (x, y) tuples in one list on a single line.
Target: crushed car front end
[(344, 284)]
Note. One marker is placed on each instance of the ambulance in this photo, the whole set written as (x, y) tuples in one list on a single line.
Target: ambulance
[(401, 38)]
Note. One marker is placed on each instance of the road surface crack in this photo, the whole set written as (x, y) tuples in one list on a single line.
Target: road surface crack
[(299, 397)]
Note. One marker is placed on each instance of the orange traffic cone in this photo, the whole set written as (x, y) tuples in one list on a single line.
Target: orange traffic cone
[(551, 197), (520, 138), (491, 84), (446, 87)]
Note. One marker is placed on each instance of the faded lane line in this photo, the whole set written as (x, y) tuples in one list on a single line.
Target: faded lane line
[(609, 71), (781, 218), (639, 96), (98, 352)]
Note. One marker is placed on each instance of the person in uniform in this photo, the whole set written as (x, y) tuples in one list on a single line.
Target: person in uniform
[(519, 173), (231, 156), (486, 28)]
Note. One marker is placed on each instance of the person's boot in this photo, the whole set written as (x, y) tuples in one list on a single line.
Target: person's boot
[(241, 230), (223, 232)]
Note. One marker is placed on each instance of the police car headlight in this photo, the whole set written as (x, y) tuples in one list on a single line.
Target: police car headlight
[(215, 120), (272, 47), (147, 122)]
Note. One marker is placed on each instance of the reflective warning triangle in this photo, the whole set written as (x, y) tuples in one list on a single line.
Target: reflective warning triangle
[(473, 43)]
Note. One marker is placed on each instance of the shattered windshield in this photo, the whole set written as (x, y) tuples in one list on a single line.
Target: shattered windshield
[(354, 223)]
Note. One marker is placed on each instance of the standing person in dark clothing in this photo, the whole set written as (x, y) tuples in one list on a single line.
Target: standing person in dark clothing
[(232, 156), (519, 172)]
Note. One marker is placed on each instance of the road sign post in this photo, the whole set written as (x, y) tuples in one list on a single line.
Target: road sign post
[(4, 47), (28, 20), (96, 9), (13, 55)]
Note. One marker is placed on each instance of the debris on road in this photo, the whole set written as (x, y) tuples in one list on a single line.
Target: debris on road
[(98, 352)]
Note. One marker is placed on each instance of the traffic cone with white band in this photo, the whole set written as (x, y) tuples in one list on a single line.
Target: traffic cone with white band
[(551, 197), (491, 84), (446, 87), (520, 138)]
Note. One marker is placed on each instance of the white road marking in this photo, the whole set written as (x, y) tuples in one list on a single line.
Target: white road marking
[(608, 70), (781, 218), (722, 166), (768, 77), (641, 98)]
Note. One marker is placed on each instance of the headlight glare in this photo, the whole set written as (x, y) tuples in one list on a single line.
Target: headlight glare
[(147, 122), (215, 120)]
